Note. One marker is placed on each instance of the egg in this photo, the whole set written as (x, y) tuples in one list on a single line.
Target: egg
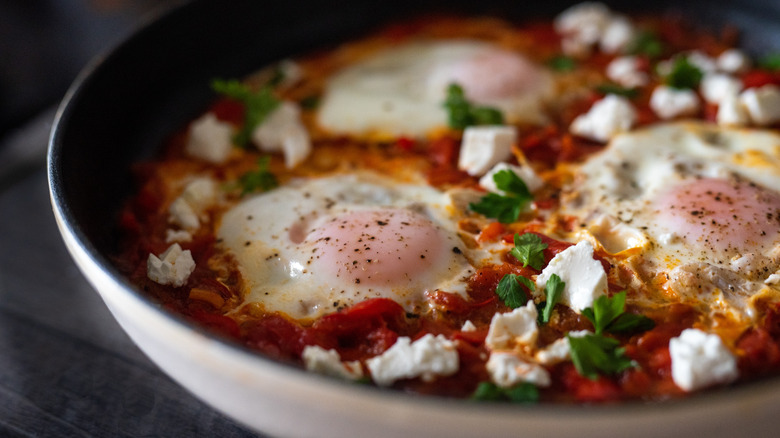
[(692, 207), (316, 245), (400, 91)]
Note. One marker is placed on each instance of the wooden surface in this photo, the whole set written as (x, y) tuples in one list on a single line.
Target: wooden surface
[(66, 367)]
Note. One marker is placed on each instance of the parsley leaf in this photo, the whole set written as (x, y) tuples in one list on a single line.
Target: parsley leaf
[(646, 43), (593, 354), (770, 62), (507, 207), (510, 291), (684, 74), (258, 105), (529, 250), (552, 290), (522, 393), (609, 88), (608, 314), (258, 180), (562, 63), (462, 113)]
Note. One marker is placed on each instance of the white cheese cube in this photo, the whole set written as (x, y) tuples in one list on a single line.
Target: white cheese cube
[(715, 87), (560, 350), (733, 61), (515, 327), (485, 146), (668, 102), (626, 71), (328, 362), (605, 119), (197, 196), (618, 34), (702, 61), (763, 104), (181, 213), (173, 267), (283, 131), (507, 370), (584, 276), (209, 139), (731, 112), (525, 173), (468, 326), (200, 193), (177, 236), (427, 357), (584, 22), (700, 359)]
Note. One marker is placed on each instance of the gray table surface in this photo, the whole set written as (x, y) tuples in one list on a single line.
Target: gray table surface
[(66, 367)]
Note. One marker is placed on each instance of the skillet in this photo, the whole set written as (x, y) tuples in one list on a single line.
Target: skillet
[(123, 106)]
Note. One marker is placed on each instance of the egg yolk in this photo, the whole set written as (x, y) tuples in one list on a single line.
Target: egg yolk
[(377, 247), (722, 216)]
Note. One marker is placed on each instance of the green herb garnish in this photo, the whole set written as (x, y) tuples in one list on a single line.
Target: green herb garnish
[(552, 291), (608, 315), (260, 179), (594, 354), (684, 74), (258, 104), (529, 250), (610, 88), (562, 63), (646, 43), (507, 207), (522, 393), (511, 293), (769, 62), (463, 113)]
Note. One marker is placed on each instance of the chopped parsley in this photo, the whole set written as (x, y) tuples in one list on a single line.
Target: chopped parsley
[(259, 180), (770, 62), (594, 354), (529, 250), (608, 315), (507, 207), (258, 104), (683, 74), (462, 113), (522, 393), (646, 43), (552, 291), (610, 88), (511, 293), (562, 63)]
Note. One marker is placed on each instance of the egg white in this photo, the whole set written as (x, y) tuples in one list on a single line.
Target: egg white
[(401, 91), (277, 240), (616, 196)]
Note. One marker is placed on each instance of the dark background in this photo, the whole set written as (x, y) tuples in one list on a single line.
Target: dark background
[(44, 44)]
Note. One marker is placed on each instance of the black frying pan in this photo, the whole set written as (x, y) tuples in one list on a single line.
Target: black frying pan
[(123, 106)]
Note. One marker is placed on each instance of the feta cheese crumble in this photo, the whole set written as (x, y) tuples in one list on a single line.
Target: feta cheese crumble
[(626, 71), (485, 146), (507, 369), (328, 362), (426, 357), (515, 327), (173, 267), (701, 359), (283, 131), (560, 350), (584, 276), (209, 139), (716, 87), (763, 104), (525, 173), (605, 119), (186, 210), (668, 102)]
